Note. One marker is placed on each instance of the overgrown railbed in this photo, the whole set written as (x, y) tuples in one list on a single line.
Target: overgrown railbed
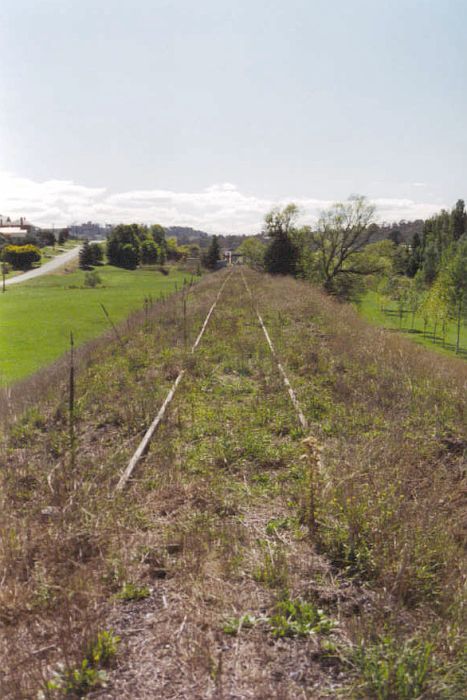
[(240, 560)]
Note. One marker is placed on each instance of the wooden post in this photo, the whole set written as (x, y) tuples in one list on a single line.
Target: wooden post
[(113, 326), (4, 271), (314, 463), (71, 402)]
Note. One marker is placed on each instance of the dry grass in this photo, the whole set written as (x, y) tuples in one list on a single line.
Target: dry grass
[(216, 522)]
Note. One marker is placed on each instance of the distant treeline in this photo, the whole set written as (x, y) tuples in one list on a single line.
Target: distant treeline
[(421, 265)]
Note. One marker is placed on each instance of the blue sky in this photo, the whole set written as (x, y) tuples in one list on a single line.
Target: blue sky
[(208, 113)]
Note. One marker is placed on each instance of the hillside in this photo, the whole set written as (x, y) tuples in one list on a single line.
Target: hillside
[(240, 561)]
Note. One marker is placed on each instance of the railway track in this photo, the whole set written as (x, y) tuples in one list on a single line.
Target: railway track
[(146, 440)]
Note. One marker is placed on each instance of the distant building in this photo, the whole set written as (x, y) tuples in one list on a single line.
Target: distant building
[(232, 258), (15, 230), (90, 231)]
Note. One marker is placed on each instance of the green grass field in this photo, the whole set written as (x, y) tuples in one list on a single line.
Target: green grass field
[(50, 252), (371, 309), (36, 317)]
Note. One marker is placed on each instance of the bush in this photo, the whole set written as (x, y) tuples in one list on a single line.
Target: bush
[(92, 279), (21, 257), (391, 670)]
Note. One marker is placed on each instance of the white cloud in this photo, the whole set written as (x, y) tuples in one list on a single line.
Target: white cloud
[(220, 208)]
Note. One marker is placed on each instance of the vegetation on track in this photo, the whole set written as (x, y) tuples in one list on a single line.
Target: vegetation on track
[(241, 559)]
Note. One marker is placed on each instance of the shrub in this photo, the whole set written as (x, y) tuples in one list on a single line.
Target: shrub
[(76, 682), (297, 618), (131, 591), (21, 257), (393, 671), (92, 279)]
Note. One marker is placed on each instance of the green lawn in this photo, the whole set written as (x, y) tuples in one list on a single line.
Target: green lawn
[(371, 309), (49, 252), (36, 317)]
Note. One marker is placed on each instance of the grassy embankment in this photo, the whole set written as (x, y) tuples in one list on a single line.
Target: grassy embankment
[(241, 561), (380, 313), (36, 317)]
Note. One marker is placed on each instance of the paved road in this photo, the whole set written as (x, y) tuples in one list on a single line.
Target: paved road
[(48, 267)]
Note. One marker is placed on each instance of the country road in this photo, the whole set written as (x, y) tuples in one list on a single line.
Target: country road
[(48, 267)]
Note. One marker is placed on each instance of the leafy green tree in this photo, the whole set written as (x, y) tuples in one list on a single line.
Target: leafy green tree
[(213, 254), (436, 303), (129, 257), (456, 277), (97, 254), (430, 262), (399, 292), (46, 237), (174, 251), (414, 298), (157, 233), (282, 254), (149, 252), (123, 246), (253, 251), (342, 233), (415, 260)]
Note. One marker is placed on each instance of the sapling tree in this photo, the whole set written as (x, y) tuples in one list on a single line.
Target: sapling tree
[(456, 276)]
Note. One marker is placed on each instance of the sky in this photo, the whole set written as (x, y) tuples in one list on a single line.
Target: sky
[(209, 113)]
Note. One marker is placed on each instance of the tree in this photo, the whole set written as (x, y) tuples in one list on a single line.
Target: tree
[(149, 252), (282, 254), (21, 257), (456, 276), (458, 220), (213, 254), (430, 262), (85, 256), (415, 260), (46, 237), (342, 233), (158, 234), (129, 257), (62, 236), (97, 254), (436, 303), (123, 246), (253, 251), (174, 251)]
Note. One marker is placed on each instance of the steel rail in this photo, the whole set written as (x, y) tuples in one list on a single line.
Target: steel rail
[(293, 397), (144, 444)]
